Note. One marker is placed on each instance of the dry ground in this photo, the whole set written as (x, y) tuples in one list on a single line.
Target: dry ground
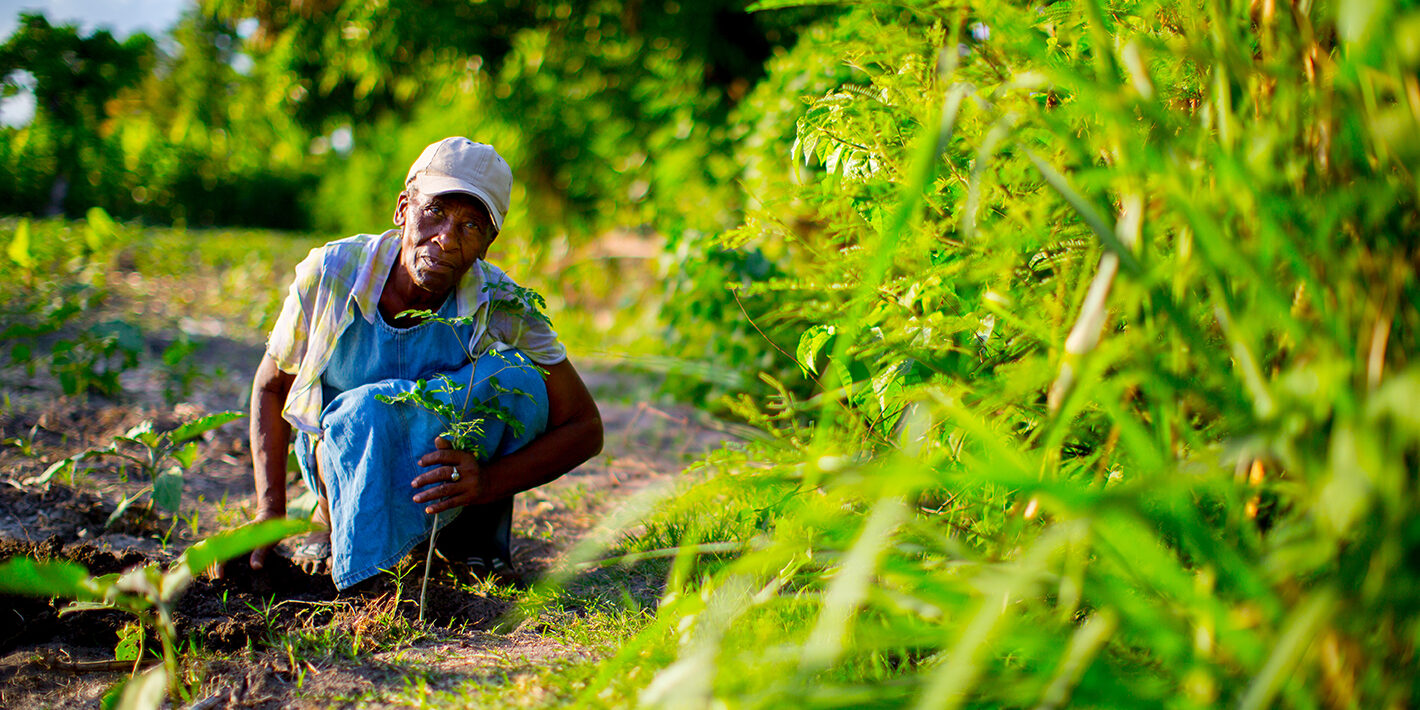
[(282, 638)]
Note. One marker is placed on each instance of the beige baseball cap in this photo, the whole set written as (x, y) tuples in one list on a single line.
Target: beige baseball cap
[(458, 164)]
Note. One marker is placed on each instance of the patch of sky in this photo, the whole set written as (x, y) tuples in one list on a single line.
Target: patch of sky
[(120, 17)]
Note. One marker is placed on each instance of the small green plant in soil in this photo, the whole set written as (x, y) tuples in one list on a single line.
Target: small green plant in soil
[(93, 360), (150, 593), (63, 278), (162, 459), (181, 369)]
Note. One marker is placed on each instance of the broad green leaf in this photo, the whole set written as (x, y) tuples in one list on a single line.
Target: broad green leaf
[(141, 581), (810, 343), (130, 641), (225, 546), (202, 425), (145, 692), (74, 607), (142, 433), (167, 489), (186, 455), (22, 575)]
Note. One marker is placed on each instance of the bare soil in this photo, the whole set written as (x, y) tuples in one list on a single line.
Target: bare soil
[(265, 639)]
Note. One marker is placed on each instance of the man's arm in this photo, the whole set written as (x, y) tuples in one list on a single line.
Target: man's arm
[(574, 434), (270, 439)]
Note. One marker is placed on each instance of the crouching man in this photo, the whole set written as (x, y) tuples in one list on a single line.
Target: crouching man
[(344, 347)]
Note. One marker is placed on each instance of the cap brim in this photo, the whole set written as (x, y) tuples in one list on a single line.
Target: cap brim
[(433, 185)]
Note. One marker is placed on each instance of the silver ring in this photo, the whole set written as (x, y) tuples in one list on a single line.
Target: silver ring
[(456, 476)]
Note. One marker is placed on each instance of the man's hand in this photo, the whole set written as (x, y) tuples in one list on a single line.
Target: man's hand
[(259, 555), (458, 471)]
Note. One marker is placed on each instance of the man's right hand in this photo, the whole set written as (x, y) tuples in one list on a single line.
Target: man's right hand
[(259, 555)]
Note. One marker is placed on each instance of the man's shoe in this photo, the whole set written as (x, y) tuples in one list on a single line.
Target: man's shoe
[(495, 568)]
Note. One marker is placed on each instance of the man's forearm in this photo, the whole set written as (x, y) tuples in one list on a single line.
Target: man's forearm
[(270, 439)]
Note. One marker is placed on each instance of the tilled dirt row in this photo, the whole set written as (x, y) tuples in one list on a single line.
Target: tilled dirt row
[(263, 639)]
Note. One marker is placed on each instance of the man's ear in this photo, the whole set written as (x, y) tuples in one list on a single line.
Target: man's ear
[(400, 206)]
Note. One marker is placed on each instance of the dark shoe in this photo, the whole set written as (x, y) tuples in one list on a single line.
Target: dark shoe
[(495, 568)]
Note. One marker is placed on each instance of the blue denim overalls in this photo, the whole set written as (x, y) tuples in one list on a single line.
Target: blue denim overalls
[(372, 448)]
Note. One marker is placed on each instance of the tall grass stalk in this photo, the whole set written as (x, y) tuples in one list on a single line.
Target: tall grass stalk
[(1113, 308)]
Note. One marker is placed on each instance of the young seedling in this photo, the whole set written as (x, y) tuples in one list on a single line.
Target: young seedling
[(161, 457), (150, 593)]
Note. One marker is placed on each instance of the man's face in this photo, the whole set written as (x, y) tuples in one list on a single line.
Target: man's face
[(441, 237)]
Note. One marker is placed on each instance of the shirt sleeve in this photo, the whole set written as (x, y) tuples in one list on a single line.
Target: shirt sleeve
[(289, 337), (516, 324)]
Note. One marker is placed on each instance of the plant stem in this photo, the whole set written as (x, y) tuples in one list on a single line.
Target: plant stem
[(167, 633), (428, 559)]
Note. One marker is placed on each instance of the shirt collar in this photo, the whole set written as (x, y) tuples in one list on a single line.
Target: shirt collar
[(370, 279)]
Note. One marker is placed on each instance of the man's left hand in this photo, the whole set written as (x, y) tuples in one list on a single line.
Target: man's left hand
[(459, 473)]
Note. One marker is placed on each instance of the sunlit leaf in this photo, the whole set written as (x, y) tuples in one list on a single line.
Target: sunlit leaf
[(22, 575), (19, 249), (225, 546), (202, 425)]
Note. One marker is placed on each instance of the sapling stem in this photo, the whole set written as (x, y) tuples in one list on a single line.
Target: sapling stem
[(428, 559)]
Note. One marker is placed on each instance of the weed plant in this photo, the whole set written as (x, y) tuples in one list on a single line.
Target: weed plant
[(1105, 315)]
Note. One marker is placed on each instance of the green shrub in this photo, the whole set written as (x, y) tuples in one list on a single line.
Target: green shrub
[(1106, 315)]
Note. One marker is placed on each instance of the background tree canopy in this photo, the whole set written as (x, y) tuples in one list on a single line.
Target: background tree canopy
[(305, 116)]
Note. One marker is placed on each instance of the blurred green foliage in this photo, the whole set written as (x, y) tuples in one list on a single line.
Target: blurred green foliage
[(1104, 314), (88, 301)]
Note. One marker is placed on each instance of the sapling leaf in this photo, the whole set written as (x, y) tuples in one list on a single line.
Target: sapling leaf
[(233, 543), (167, 489), (73, 607), (202, 425), (145, 692), (141, 434), (142, 581), (130, 642), (421, 314), (22, 575), (186, 455)]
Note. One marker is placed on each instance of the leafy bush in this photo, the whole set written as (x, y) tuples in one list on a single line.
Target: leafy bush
[(1106, 335)]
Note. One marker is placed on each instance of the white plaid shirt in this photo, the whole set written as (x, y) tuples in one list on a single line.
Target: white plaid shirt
[(335, 278)]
